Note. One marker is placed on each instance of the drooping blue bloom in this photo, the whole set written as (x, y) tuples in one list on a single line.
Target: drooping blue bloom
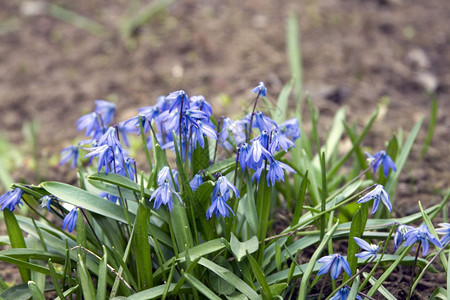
[(377, 194), (381, 158), (260, 121), (201, 130), (164, 195), (219, 207), (343, 293), (90, 123), (11, 199), (260, 89), (290, 128), (280, 141), (423, 235), (223, 185), (232, 133), (124, 130), (109, 138), (70, 220), (170, 121), (399, 236), (201, 104), (196, 181), (112, 198), (257, 154), (46, 201), (105, 156), (179, 100), (163, 175), (69, 153), (334, 264), (106, 110), (132, 125), (445, 230), (244, 150), (276, 171), (371, 250)]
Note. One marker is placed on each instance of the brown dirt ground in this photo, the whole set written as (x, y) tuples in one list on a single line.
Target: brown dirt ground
[(354, 53)]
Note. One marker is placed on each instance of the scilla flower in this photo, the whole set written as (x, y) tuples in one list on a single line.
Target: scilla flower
[(164, 193), (445, 230), (381, 158), (371, 250), (334, 264), (196, 182), (219, 206), (69, 153), (423, 235), (377, 194), (399, 236), (343, 293), (260, 89), (11, 199), (70, 220)]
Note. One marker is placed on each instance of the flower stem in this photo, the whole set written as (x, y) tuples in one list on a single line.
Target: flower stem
[(413, 273)]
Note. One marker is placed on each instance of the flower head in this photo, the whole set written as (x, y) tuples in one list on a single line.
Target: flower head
[(260, 89), (280, 141), (334, 263), (69, 153), (423, 235), (196, 181), (399, 236), (343, 293), (219, 206), (445, 230), (276, 171), (290, 128), (381, 158), (179, 100), (371, 250), (106, 110), (164, 193), (46, 201), (90, 123), (223, 186), (377, 194), (201, 104), (70, 220), (11, 199)]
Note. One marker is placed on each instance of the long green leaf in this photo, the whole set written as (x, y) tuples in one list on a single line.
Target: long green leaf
[(87, 285), (35, 291), (295, 56), (200, 287), (259, 274), (142, 248), (102, 276), (279, 114)]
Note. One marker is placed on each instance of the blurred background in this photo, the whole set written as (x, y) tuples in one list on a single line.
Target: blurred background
[(57, 57)]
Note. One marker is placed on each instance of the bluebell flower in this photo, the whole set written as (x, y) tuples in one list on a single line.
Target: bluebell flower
[(371, 250), (70, 220), (69, 153), (445, 230), (423, 235), (343, 293), (46, 201), (164, 195), (11, 199), (290, 128), (132, 125), (179, 100), (201, 130), (377, 194), (201, 104), (109, 138), (111, 198), (257, 154), (334, 264), (90, 123), (260, 89), (163, 175), (106, 110), (244, 150), (170, 121), (223, 185), (232, 131), (280, 141), (276, 171), (261, 121), (219, 207), (196, 181), (399, 236), (381, 158), (124, 130), (105, 156)]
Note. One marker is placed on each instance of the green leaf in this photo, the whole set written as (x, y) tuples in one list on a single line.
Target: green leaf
[(356, 230), (35, 291), (86, 200), (22, 292), (276, 289), (219, 285), (119, 180), (55, 279), (142, 248), (242, 249), (16, 239), (200, 158), (267, 294), (102, 276), (279, 114), (156, 292), (200, 287), (440, 293), (224, 166), (383, 291), (68, 292), (87, 285), (295, 56)]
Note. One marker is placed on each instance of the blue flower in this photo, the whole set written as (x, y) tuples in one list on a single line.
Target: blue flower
[(276, 171), (261, 121), (11, 199), (219, 206), (109, 197), (46, 201), (280, 141), (399, 236), (381, 158), (196, 182), (178, 100), (237, 135), (89, 123), (371, 250), (376, 194), (334, 264), (244, 150), (260, 89), (257, 154), (223, 185), (201, 104), (105, 156), (201, 130), (164, 195), (69, 153), (70, 220), (445, 230), (106, 110), (290, 128), (343, 293), (423, 235)]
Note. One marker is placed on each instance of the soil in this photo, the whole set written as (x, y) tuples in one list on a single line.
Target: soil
[(355, 53)]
